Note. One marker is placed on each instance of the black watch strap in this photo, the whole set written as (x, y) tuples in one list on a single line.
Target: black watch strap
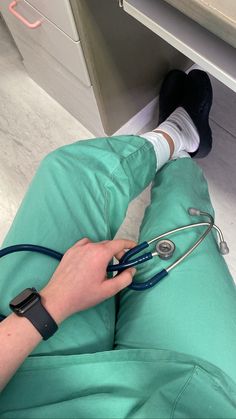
[(41, 319)]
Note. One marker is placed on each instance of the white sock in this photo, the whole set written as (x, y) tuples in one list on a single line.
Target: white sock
[(161, 147), (180, 127), (182, 155)]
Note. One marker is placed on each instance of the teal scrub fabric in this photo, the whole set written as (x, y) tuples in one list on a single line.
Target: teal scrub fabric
[(168, 352)]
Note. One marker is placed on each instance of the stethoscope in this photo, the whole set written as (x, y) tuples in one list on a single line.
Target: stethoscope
[(165, 249)]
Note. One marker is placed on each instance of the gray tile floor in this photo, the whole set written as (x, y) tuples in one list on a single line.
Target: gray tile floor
[(32, 124)]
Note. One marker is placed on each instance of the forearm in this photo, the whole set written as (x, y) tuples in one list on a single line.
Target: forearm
[(19, 337), (76, 285)]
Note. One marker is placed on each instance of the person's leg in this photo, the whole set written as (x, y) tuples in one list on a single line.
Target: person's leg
[(80, 190), (193, 309)]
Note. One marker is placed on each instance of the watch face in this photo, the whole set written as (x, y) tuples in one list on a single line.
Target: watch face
[(24, 300)]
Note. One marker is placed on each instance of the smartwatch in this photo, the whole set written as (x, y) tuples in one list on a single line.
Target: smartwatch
[(28, 304)]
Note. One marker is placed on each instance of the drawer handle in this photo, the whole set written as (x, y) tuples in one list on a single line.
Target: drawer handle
[(29, 25)]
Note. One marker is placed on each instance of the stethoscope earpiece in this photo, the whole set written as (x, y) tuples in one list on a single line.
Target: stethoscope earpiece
[(224, 250), (194, 211)]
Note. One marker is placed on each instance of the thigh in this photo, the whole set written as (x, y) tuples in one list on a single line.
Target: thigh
[(81, 190), (193, 309)]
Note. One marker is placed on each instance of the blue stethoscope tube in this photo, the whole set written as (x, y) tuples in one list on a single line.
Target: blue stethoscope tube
[(126, 261), (30, 248)]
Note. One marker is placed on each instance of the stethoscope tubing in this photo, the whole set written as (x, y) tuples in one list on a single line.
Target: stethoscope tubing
[(142, 286), (125, 261), (111, 268), (31, 248), (192, 248), (185, 227)]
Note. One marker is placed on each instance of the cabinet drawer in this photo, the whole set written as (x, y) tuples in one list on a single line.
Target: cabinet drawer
[(58, 12), (63, 86), (48, 37)]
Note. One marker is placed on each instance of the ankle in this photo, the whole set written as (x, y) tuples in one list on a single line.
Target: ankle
[(180, 131), (169, 141)]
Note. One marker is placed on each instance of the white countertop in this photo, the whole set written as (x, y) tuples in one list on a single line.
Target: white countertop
[(217, 16)]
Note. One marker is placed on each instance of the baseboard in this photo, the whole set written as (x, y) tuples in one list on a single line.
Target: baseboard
[(144, 120)]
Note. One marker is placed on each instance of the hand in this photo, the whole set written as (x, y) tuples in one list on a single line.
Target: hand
[(80, 281)]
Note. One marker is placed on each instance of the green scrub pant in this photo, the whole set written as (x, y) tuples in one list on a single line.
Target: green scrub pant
[(167, 352)]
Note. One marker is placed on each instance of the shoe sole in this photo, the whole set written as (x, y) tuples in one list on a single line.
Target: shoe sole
[(202, 81), (171, 92)]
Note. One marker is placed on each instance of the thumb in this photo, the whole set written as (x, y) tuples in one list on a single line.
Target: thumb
[(114, 285)]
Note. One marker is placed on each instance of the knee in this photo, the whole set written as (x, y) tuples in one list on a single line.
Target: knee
[(65, 159), (49, 162), (60, 156)]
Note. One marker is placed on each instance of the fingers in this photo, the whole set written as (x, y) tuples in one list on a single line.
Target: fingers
[(119, 255), (82, 242), (108, 248), (116, 247), (121, 281)]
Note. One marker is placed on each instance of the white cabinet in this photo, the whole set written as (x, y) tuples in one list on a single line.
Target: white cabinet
[(58, 12), (52, 58), (61, 84), (107, 75), (48, 37)]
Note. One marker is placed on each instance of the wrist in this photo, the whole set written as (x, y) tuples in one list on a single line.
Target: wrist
[(53, 305)]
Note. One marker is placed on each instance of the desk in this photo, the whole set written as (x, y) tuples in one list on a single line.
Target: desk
[(183, 24)]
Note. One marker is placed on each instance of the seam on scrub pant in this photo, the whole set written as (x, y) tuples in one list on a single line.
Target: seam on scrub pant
[(145, 147), (214, 383), (182, 391)]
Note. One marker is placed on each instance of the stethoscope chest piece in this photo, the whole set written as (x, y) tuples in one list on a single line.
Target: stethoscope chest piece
[(165, 249)]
